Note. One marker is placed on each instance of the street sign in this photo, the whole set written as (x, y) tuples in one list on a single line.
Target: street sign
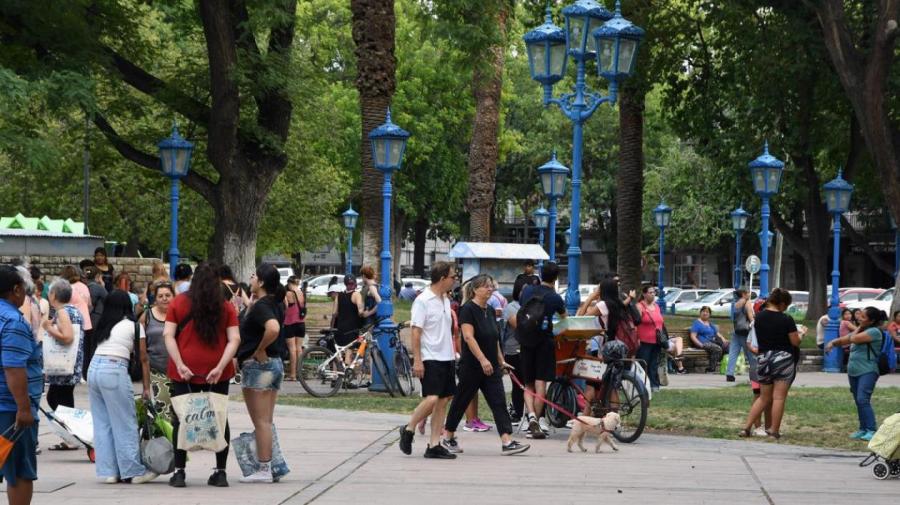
[(753, 264)]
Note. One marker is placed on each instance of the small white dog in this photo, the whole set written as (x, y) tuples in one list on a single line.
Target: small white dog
[(601, 427)]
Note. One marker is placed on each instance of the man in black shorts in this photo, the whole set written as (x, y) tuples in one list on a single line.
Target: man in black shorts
[(434, 359), (539, 362)]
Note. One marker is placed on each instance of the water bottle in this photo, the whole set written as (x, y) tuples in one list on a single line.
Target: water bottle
[(545, 325)]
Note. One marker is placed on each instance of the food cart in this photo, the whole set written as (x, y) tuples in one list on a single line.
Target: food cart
[(501, 261)]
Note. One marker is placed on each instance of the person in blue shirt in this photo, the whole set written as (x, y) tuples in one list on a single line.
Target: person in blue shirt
[(21, 385), (705, 335)]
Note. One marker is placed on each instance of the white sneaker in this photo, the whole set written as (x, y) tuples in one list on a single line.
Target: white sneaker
[(110, 480), (262, 474), (143, 479), (545, 426), (760, 432)]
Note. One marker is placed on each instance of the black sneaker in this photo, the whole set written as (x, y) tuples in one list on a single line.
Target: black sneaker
[(218, 479), (729, 378), (177, 479), (406, 440), (438, 452), (535, 431), (514, 447)]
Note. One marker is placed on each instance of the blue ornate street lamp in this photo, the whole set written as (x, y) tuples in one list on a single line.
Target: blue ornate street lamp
[(175, 158), (591, 32), (837, 199), (553, 181), (662, 214), (766, 173), (541, 220), (738, 223), (388, 146), (350, 217)]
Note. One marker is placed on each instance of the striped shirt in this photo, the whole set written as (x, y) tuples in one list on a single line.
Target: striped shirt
[(19, 349)]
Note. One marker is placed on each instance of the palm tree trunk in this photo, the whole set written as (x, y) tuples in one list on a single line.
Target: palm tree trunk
[(487, 83), (373, 29), (630, 187)]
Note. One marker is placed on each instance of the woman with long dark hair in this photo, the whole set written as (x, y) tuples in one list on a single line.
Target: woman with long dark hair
[(112, 396), (262, 370), (202, 337), (606, 303), (862, 367)]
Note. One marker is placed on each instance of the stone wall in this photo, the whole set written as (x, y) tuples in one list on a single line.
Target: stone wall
[(140, 269)]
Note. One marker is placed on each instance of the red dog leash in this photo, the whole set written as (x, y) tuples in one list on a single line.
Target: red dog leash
[(527, 391)]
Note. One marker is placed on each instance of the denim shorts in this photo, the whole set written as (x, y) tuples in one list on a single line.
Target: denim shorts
[(265, 376), (21, 463)]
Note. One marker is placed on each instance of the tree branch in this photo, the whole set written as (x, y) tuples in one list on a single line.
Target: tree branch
[(200, 184), (863, 244), (160, 90), (221, 46)]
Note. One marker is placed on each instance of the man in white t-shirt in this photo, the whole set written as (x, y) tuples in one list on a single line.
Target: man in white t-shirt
[(434, 360)]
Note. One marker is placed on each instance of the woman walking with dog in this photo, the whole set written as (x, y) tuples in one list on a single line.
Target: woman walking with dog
[(481, 366), (862, 367), (779, 351)]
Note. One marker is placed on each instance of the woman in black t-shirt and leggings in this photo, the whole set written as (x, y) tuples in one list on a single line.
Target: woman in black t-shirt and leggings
[(779, 352), (480, 366)]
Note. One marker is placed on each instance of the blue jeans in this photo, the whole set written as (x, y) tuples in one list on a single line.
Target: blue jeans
[(862, 386), (115, 421), (737, 343)]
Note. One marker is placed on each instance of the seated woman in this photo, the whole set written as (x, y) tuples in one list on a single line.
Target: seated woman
[(705, 335), (676, 350)]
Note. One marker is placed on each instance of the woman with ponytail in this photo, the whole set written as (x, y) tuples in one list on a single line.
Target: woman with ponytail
[(260, 355), (862, 367)]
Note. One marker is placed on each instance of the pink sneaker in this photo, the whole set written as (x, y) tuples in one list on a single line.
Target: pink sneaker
[(480, 426), (470, 426)]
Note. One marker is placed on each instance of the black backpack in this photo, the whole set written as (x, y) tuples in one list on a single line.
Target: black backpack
[(530, 329)]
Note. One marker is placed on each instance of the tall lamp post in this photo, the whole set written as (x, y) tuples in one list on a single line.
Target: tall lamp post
[(662, 214), (896, 244), (541, 220), (350, 217), (837, 198), (175, 157), (766, 173), (388, 145), (553, 181), (589, 26), (738, 224)]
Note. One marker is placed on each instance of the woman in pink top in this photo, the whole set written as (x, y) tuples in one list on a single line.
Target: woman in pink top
[(651, 322), (81, 295), (294, 323)]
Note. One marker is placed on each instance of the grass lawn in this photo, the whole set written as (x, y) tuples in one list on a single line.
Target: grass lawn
[(822, 417)]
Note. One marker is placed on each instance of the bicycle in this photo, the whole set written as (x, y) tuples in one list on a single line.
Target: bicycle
[(620, 391), (322, 372)]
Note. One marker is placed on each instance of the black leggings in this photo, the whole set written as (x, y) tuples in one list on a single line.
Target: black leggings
[(183, 388), (60, 395), (470, 381), (518, 394)]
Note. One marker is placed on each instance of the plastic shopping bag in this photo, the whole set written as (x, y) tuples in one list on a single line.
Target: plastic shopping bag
[(7, 442), (59, 359), (245, 451), (203, 416), (78, 422)]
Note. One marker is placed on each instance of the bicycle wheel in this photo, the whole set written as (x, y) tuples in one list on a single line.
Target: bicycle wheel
[(403, 369), (563, 394), (381, 365), (361, 375), (629, 399), (320, 372)]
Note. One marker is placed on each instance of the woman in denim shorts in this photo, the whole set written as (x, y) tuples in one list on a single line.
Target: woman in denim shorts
[(260, 355)]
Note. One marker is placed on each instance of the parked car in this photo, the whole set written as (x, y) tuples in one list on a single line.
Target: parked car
[(799, 304), (584, 291), (318, 285), (418, 284), (719, 302), (849, 295), (881, 302), (677, 297)]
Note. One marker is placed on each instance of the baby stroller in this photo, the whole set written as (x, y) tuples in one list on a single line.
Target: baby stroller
[(885, 447), (74, 426)]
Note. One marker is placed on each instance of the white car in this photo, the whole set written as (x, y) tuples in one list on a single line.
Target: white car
[(881, 302), (719, 302), (584, 291), (678, 297), (418, 284), (318, 286)]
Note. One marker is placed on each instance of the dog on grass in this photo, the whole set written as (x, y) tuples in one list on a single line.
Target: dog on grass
[(600, 427)]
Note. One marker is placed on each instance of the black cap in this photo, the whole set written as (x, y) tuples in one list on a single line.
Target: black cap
[(349, 279)]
